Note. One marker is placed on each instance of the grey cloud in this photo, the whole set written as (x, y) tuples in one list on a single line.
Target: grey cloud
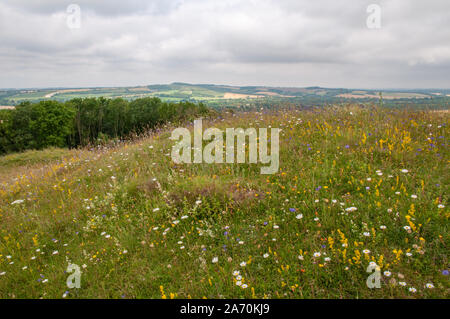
[(264, 42)]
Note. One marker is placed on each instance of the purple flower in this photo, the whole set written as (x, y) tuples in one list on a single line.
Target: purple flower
[(292, 210), (445, 272)]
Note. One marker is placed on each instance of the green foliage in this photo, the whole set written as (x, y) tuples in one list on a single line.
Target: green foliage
[(80, 122)]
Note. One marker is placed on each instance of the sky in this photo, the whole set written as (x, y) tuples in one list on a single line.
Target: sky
[(295, 43)]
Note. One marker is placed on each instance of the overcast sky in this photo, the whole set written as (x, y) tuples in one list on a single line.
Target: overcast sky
[(247, 42)]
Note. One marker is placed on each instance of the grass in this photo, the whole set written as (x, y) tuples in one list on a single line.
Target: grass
[(140, 226)]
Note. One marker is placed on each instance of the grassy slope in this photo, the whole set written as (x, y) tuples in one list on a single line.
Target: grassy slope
[(121, 213)]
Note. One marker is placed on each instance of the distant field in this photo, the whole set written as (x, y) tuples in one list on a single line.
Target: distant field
[(222, 94)]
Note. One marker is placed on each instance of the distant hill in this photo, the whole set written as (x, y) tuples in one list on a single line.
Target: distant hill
[(220, 95)]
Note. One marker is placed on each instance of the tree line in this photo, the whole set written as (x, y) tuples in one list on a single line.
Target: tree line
[(86, 121)]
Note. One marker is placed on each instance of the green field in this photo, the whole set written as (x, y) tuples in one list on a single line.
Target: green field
[(355, 186), (238, 96)]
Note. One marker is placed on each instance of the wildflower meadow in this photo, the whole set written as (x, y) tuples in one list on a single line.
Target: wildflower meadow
[(360, 197)]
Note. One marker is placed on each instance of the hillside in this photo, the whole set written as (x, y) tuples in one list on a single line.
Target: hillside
[(355, 186), (236, 96)]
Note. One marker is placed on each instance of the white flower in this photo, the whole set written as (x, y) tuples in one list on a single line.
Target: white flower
[(103, 233), (413, 196), (64, 295), (317, 254), (405, 171), (366, 251), (198, 202), (241, 242), (276, 226), (299, 216), (44, 281), (215, 259), (244, 286), (406, 228), (2, 273), (429, 286), (387, 273), (327, 258), (441, 206), (402, 283), (184, 217), (55, 252), (412, 289), (236, 273), (316, 219), (367, 234), (19, 201), (155, 209), (382, 227), (24, 267), (351, 209), (301, 257), (238, 283), (266, 255), (408, 254), (238, 278), (107, 236), (243, 264)]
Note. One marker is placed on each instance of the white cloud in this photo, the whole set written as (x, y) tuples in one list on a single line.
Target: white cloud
[(269, 42)]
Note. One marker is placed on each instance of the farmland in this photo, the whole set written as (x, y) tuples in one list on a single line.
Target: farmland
[(220, 96)]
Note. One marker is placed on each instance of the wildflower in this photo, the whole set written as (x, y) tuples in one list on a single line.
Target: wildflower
[(327, 259), (292, 210), (184, 217), (2, 273), (412, 289), (366, 251), (55, 252), (402, 283), (406, 228), (317, 254), (429, 286), (408, 254), (243, 264), (215, 260), (413, 196), (276, 226), (19, 201), (367, 234), (299, 216), (238, 283), (405, 171), (445, 272), (155, 209), (236, 273), (316, 219), (301, 257), (441, 206), (387, 273), (198, 202), (65, 294), (244, 286), (266, 255), (382, 227), (238, 278), (351, 209)]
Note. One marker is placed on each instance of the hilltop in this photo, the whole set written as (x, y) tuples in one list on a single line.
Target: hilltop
[(355, 186)]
